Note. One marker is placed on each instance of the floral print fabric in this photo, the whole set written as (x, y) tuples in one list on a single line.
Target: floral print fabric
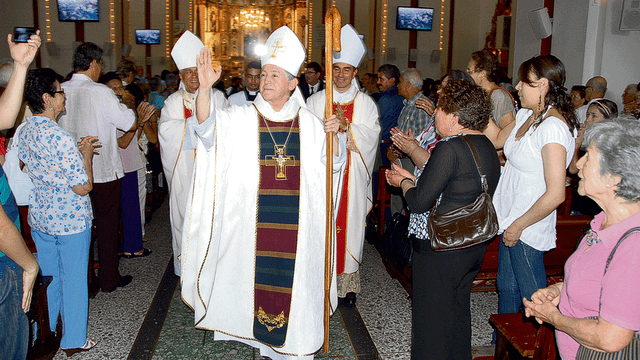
[(55, 165)]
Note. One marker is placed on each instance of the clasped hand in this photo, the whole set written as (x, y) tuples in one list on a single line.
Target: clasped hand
[(333, 124), (543, 305)]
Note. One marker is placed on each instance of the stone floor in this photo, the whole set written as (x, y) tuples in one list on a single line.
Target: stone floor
[(147, 319)]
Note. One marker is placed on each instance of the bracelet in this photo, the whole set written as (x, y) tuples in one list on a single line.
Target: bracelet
[(407, 179)]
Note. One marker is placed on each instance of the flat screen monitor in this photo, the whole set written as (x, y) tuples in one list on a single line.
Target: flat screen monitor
[(78, 10), (148, 36), (414, 18)]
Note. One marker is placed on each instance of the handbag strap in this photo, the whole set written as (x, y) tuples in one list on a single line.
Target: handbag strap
[(476, 159), (623, 238)]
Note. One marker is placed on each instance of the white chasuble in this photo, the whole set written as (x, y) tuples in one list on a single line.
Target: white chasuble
[(365, 133), (219, 240), (177, 159)]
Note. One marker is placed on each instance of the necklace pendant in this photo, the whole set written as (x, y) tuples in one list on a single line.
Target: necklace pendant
[(280, 161)]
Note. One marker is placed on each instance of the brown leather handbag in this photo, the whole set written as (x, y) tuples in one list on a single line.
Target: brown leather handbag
[(466, 226)]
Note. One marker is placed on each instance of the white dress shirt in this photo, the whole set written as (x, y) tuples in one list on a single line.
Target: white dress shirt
[(94, 110)]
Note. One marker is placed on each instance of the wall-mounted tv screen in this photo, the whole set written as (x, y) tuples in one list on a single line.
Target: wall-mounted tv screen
[(148, 36), (78, 10), (414, 18)]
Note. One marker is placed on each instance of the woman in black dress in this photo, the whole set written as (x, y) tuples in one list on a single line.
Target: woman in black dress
[(442, 280)]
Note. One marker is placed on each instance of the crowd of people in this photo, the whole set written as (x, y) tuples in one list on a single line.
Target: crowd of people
[(245, 169)]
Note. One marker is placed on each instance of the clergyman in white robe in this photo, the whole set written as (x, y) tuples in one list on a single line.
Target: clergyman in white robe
[(177, 159), (363, 136), (219, 240)]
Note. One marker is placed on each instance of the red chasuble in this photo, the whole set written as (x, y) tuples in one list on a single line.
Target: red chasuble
[(346, 111)]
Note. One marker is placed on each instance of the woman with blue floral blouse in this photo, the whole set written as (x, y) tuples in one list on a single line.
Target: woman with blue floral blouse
[(60, 212)]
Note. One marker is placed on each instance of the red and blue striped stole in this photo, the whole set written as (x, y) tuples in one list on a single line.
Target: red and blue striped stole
[(277, 228)]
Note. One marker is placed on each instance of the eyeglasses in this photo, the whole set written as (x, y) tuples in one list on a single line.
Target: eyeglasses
[(470, 71), (58, 92)]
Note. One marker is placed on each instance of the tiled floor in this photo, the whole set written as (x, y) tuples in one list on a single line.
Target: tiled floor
[(379, 329)]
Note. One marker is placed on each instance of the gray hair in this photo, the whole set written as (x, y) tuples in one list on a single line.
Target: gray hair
[(6, 68), (618, 143), (413, 77)]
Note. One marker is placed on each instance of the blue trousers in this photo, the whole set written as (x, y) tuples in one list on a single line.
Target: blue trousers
[(520, 273), (131, 222), (14, 332), (66, 258)]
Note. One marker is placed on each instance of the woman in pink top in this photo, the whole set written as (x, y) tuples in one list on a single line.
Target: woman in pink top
[(597, 308)]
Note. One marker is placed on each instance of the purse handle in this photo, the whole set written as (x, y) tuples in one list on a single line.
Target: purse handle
[(476, 159), (623, 238)]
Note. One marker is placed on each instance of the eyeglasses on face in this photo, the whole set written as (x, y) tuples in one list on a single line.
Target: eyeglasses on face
[(58, 92)]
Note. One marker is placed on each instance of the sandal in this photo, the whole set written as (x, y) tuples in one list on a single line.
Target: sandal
[(88, 345), (145, 252)]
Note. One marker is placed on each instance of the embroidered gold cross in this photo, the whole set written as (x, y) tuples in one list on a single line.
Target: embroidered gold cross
[(277, 47), (279, 160)]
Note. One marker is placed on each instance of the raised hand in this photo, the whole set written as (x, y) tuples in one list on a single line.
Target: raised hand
[(426, 106), (145, 112), (24, 53), (405, 143), (207, 75)]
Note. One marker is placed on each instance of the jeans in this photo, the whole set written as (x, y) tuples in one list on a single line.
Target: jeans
[(66, 258), (14, 332), (520, 273)]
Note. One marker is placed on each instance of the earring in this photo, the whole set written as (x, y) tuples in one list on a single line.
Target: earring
[(450, 127), (608, 185), (50, 109)]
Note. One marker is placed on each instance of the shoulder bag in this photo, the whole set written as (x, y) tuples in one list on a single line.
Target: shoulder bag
[(466, 226), (632, 351)]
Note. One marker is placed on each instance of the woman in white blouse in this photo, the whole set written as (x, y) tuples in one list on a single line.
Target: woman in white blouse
[(538, 150)]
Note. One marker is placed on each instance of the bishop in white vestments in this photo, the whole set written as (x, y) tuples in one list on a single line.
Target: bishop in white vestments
[(353, 185), (177, 155), (254, 239)]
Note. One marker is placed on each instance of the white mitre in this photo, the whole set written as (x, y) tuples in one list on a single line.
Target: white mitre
[(352, 48), (285, 50), (186, 49)]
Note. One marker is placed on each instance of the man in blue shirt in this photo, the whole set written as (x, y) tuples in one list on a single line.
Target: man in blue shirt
[(390, 105)]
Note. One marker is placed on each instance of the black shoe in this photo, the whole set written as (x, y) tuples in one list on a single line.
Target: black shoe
[(124, 281), (351, 299), (145, 252)]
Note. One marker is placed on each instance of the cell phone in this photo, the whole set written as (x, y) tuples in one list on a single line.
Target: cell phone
[(22, 34)]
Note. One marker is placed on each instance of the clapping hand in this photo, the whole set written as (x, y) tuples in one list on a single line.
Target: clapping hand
[(145, 112), (24, 53), (396, 174), (88, 145), (405, 143), (207, 75)]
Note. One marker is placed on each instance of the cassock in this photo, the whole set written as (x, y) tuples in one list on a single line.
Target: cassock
[(235, 277), (177, 158), (353, 185)]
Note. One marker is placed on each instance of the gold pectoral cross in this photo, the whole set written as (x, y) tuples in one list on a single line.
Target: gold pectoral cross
[(279, 160)]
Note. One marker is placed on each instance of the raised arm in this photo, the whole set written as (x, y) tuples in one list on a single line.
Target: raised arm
[(11, 100), (207, 76), (496, 135)]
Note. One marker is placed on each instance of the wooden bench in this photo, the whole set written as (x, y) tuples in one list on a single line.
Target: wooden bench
[(521, 338)]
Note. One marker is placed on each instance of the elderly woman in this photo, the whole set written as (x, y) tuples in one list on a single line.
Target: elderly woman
[(60, 212), (597, 305), (532, 184), (442, 280)]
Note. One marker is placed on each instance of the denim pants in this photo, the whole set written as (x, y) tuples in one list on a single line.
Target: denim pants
[(14, 332), (66, 259), (520, 273)]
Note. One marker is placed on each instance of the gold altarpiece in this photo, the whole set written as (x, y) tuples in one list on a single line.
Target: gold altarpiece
[(231, 28)]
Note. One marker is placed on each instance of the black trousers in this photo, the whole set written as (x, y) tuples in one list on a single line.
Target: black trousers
[(441, 301), (105, 199)]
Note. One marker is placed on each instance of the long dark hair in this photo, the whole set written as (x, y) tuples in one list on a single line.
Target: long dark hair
[(551, 68)]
